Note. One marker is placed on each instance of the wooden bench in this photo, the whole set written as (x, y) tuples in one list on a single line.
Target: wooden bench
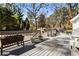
[(11, 40)]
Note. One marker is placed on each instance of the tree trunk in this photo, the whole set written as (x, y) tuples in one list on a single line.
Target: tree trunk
[(70, 11), (36, 23)]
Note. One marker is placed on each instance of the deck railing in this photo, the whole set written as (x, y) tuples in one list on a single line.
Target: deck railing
[(52, 32), (12, 33), (35, 36)]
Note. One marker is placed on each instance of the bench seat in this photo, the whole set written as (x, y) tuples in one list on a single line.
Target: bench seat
[(11, 40)]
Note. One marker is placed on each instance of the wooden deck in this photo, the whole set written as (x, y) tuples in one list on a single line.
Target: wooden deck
[(56, 46), (51, 47)]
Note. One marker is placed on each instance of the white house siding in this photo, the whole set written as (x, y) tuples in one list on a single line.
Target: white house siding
[(76, 25)]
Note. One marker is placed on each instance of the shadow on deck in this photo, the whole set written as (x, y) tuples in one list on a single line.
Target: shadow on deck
[(61, 46), (51, 47), (17, 50), (22, 50)]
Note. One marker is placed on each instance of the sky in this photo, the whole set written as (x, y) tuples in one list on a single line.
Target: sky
[(43, 10), (48, 10)]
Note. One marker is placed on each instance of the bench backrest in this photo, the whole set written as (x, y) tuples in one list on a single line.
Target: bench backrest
[(12, 39)]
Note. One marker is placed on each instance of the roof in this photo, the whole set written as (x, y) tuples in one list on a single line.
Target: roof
[(75, 18)]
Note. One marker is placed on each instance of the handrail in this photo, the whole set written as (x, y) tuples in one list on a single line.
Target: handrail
[(35, 33), (4, 34), (13, 32)]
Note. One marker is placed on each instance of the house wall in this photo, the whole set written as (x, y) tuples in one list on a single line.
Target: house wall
[(75, 29), (76, 25)]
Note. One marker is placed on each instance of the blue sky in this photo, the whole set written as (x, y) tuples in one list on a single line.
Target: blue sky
[(48, 10)]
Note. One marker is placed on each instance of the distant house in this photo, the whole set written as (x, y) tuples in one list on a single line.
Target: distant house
[(75, 30)]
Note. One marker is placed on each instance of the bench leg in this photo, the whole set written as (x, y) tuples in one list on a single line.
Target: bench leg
[(18, 43), (71, 47), (1, 51), (23, 43)]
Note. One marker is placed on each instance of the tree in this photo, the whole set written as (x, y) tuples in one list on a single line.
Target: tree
[(6, 19), (41, 20), (33, 10), (62, 15), (11, 12), (27, 24), (69, 10), (19, 13), (72, 9), (59, 17), (20, 19)]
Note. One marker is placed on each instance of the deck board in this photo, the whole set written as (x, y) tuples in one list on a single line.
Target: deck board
[(58, 46), (50, 47)]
